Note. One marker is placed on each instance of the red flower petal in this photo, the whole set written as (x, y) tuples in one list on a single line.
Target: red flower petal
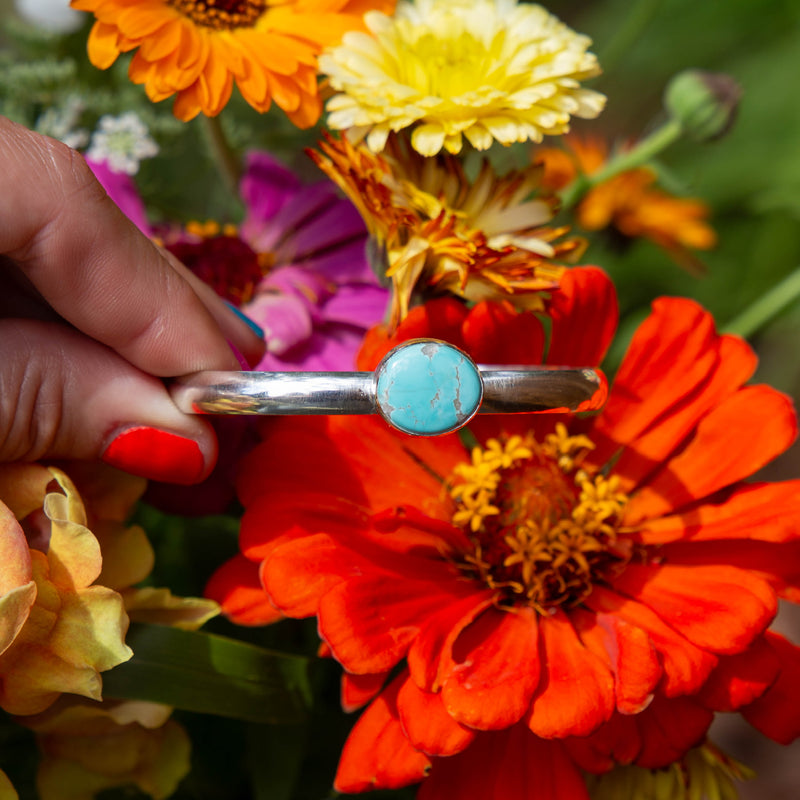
[(389, 465), (686, 667), (629, 653), (236, 587), (512, 765), (775, 712), (731, 442), (739, 679), (576, 689), (377, 754), (277, 517), (496, 333), (653, 414), (430, 657), (299, 572), (765, 511), (584, 314), (428, 725), (717, 607), (369, 622), (496, 671), (657, 737), (777, 563), (283, 462), (438, 319), (358, 690)]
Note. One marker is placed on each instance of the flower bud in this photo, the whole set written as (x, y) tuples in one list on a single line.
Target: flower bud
[(705, 103)]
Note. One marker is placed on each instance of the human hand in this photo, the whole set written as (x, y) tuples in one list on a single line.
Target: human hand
[(92, 315)]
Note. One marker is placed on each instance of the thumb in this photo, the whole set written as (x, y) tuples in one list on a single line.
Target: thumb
[(65, 395)]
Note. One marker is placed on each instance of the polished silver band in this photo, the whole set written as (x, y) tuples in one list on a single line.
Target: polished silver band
[(501, 390)]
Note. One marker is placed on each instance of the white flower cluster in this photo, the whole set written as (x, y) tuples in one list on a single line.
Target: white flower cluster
[(122, 142)]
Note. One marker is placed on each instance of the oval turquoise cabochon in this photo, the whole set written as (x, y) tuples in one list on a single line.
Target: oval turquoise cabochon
[(427, 387)]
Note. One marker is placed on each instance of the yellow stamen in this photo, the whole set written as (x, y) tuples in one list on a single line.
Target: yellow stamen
[(543, 527)]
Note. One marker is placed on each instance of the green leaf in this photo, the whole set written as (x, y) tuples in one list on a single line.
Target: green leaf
[(211, 674)]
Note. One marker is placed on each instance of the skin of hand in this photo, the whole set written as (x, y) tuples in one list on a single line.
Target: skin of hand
[(93, 315)]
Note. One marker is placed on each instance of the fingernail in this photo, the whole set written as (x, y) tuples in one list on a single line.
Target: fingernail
[(257, 329), (157, 455), (243, 362)]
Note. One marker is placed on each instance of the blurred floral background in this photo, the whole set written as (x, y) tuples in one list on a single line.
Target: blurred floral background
[(740, 249)]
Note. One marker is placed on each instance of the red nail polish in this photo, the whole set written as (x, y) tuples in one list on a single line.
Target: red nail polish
[(156, 454)]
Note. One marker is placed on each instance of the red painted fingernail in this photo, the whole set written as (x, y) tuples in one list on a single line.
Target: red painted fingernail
[(157, 455)]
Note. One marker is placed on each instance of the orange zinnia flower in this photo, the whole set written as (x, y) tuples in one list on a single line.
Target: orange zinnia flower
[(572, 593), (196, 49), (630, 201)]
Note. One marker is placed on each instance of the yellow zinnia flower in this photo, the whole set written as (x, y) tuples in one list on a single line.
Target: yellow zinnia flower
[(485, 69), (195, 49), (441, 233)]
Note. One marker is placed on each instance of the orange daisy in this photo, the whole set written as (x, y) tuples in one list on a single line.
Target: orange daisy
[(196, 49), (630, 202), (570, 593), (441, 233)]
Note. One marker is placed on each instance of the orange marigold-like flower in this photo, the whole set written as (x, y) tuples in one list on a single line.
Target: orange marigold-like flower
[(441, 233), (196, 49), (59, 629), (630, 202), (571, 593)]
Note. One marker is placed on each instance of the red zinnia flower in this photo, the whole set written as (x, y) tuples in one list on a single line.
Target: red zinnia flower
[(572, 592)]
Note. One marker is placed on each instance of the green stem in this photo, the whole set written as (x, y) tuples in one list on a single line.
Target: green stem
[(223, 154), (645, 150), (766, 307)]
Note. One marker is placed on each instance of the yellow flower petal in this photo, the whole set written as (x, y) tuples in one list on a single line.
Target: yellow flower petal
[(448, 65), (161, 607)]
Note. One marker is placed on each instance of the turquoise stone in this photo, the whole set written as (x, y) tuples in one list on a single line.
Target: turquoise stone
[(427, 387)]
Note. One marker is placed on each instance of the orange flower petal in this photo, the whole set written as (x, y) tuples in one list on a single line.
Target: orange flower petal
[(370, 622), (686, 667), (15, 559), (576, 690), (358, 690), (497, 669), (752, 427), (629, 654), (697, 602), (776, 563), (763, 511), (585, 294), (441, 318), (236, 587), (521, 340), (103, 46), (428, 725), (735, 363), (430, 658), (377, 754), (301, 571)]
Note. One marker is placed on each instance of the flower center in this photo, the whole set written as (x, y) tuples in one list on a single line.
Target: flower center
[(222, 260), (447, 63), (543, 528), (221, 14)]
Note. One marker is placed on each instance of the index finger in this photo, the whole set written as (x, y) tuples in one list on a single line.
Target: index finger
[(94, 267)]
